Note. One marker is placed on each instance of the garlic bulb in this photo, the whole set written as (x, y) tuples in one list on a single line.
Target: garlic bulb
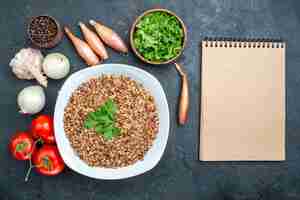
[(31, 100), (56, 65), (27, 64)]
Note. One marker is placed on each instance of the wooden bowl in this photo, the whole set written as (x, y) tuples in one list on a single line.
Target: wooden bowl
[(47, 44), (133, 27)]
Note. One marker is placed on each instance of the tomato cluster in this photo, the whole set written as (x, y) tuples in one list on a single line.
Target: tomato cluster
[(46, 159)]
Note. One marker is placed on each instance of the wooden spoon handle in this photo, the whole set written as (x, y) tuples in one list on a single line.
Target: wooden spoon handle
[(184, 96)]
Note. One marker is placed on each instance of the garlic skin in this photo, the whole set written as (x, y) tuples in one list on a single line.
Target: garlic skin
[(31, 100), (56, 65), (27, 64)]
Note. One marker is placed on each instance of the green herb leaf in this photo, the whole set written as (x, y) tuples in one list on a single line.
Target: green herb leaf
[(111, 106), (103, 120), (112, 132), (89, 123), (159, 36)]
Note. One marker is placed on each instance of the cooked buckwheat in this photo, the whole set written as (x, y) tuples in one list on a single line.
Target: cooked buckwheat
[(137, 118)]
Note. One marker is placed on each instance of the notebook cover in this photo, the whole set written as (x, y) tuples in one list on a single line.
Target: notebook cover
[(242, 101)]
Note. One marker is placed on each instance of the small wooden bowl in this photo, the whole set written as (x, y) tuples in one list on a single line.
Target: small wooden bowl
[(133, 27), (49, 44)]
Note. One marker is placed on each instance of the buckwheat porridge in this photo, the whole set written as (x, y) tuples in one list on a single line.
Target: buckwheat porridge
[(111, 121)]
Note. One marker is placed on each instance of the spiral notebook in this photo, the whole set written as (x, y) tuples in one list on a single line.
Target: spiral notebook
[(242, 100)]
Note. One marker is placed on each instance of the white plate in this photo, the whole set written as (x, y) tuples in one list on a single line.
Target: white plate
[(154, 154)]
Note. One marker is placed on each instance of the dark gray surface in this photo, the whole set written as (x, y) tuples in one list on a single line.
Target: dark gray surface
[(178, 175)]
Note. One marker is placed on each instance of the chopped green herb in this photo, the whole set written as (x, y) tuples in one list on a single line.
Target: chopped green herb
[(158, 36), (103, 120)]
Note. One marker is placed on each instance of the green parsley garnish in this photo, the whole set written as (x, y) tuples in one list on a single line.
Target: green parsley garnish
[(103, 120), (158, 36)]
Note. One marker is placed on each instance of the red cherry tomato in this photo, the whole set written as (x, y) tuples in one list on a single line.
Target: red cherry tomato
[(48, 161), (21, 146), (42, 127)]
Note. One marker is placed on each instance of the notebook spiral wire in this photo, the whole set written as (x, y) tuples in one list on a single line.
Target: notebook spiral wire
[(243, 42)]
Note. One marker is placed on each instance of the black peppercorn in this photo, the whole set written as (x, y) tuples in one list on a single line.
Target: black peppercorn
[(44, 31)]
